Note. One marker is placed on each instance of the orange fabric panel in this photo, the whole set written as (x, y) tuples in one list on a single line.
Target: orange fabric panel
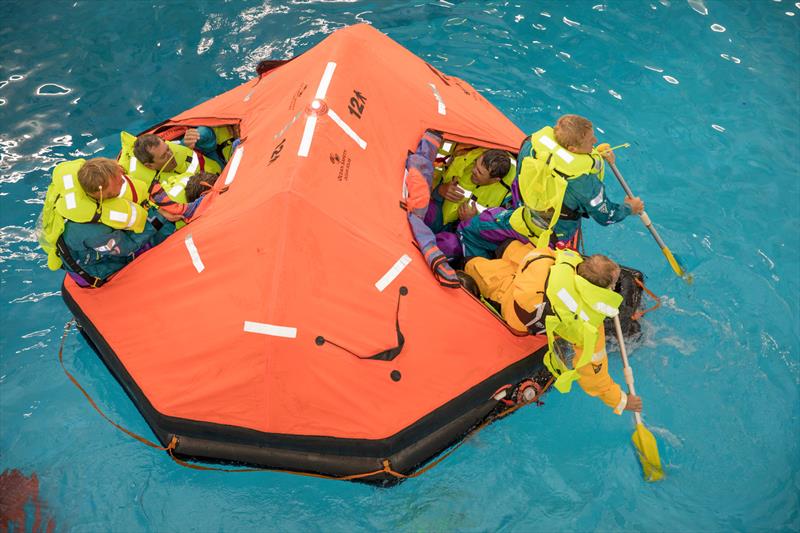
[(300, 242)]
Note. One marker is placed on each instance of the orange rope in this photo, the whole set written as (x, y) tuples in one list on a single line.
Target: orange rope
[(387, 466), (639, 314)]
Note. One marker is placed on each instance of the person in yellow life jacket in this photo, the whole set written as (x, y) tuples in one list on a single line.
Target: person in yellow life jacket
[(197, 187), (218, 142), (95, 225), (558, 293), (559, 181), (475, 179)]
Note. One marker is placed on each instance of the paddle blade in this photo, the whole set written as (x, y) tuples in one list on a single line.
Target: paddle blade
[(647, 448)]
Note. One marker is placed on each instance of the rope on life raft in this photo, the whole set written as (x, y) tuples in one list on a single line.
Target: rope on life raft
[(387, 466)]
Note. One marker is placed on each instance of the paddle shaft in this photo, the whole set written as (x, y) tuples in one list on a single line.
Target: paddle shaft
[(627, 370)]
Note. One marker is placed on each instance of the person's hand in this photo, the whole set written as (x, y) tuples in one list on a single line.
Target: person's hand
[(191, 137), (636, 204), (607, 154), (634, 404), (172, 217), (451, 191), (467, 210)]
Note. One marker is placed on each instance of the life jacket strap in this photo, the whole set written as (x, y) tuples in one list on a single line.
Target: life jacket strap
[(64, 254)]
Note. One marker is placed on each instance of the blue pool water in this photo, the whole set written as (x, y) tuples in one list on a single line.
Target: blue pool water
[(707, 93)]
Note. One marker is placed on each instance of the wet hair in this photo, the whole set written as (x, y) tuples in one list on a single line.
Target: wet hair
[(598, 270), (497, 162), (96, 173), (571, 129), (143, 145), (199, 184)]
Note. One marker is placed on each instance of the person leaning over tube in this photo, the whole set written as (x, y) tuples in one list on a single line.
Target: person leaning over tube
[(562, 295)]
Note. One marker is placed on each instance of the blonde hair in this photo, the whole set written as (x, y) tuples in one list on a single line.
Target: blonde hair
[(571, 129), (96, 173), (598, 270)]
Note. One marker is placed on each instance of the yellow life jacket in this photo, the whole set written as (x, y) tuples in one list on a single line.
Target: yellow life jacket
[(189, 162), (225, 138), (66, 200), (542, 182), (579, 309)]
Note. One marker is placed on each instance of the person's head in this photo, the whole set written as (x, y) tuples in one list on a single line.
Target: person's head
[(490, 167), (101, 178), (575, 133), (599, 270), (199, 184), (154, 153)]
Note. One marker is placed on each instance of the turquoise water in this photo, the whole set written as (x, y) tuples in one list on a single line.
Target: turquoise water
[(708, 94)]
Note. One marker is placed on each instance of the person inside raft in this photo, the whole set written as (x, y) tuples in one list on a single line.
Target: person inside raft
[(559, 181), (196, 190), (560, 294), (218, 142), (475, 179), (110, 226)]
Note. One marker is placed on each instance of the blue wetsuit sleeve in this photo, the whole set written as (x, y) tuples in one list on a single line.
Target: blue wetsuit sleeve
[(590, 195), (207, 143)]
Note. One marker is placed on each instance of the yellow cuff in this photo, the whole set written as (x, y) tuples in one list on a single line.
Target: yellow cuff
[(623, 401)]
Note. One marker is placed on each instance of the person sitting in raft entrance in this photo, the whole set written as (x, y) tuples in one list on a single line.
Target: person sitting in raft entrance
[(196, 188), (579, 297), (217, 142), (475, 179), (559, 181), (97, 224)]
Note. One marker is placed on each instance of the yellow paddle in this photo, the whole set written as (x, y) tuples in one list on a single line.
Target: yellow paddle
[(643, 440), (679, 270)]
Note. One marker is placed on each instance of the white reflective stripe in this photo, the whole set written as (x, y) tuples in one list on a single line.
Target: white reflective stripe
[(194, 254), (195, 162), (308, 133), (598, 356), (566, 156), (623, 402), (118, 216), (123, 189), (584, 316), (392, 273), (132, 220), (513, 161), (568, 300), (132, 165), (548, 142), (107, 246), (446, 146), (405, 184), (442, 107), (606, 309), (597, 200), (269, 329), (479, 207), (322, 90), (184, 181), (234, 164), (537, 316), (176, 190), (347, 129), (70, 199), (69, 183)]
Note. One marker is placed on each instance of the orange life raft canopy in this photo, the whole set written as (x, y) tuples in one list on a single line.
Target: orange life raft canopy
[(294, 324)]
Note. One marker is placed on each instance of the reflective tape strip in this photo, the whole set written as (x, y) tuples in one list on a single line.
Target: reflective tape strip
[(537, 316), (176, 190), (325, 82), (584, 316), (393, 272), (597, 200), (598, 356), (442, 107), (548, 142), (185, 181), (107, 246), (195, 163), (623, 402), (606, 309), (347, 129), (118, 216), (568, 300), (269, 329), (132, 220), (234, 164), (69, 183), (566, 156), (123, 189), (132, 164), (447, 146), (405, 184), (70, 200), (194, 254), (308, 133)]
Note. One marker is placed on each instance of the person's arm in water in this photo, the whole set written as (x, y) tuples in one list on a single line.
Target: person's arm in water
[(596, 381)]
